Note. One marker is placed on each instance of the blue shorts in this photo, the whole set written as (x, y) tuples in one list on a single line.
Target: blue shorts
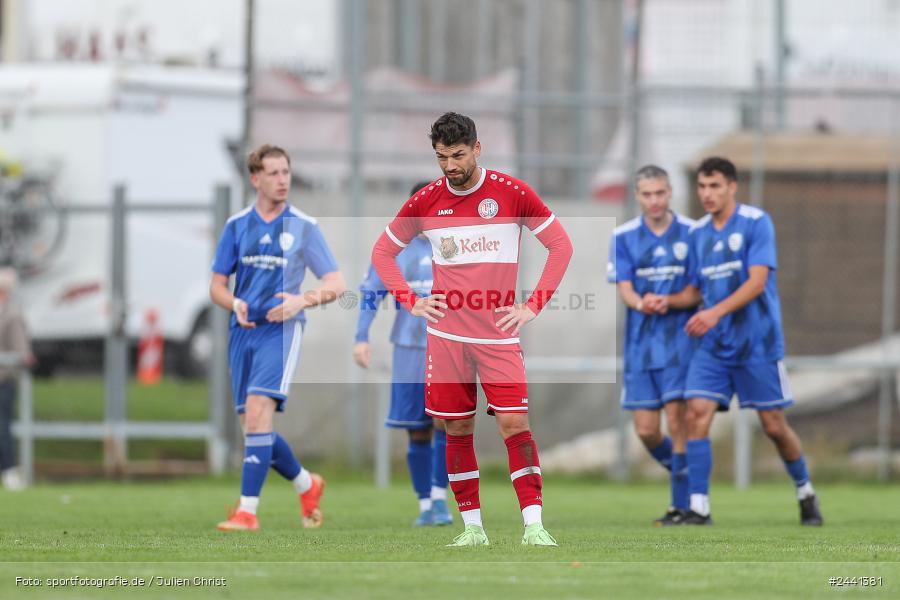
[(262, 361), (760, 386), (408, 390), (653, 388)]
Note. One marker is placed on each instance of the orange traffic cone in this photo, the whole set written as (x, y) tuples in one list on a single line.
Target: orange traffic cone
[(150, 351)]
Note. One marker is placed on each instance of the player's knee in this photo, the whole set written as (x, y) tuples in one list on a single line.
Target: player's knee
[(460, 426), (676, 427), (696, 422), (420, 435), (773, 428), (648, 433), (511, 428), (255, 422), (254, 425)]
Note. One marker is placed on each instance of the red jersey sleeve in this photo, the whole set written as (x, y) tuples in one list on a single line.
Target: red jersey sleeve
[(536, 216), (533, 213), (396, 236), (406, 225)]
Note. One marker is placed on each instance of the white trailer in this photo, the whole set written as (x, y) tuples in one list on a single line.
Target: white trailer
[(163, 133)]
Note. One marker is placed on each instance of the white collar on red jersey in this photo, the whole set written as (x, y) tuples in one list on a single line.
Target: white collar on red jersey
[(472, 189)]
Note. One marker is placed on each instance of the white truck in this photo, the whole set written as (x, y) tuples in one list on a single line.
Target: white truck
[(163, 132)]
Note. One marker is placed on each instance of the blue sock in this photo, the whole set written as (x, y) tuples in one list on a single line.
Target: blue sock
[(797, 470), (663, 453), (699, 460), (439, 459), (681, 495), (257, 456), (418, 457), (283, 460)]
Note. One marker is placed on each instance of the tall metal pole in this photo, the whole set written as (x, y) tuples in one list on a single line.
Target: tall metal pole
[(623, 460), (758, 169), (249, 86), (437, 35), (409, 23), (582, 121), (357, 27), (889, 296), (15, 30), (780, 63), (530, 115), (634, 83), (484, 60), (116, 348), (219, 444), (382, 439)]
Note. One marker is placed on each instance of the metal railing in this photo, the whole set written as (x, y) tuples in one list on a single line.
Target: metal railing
[(115, 430)]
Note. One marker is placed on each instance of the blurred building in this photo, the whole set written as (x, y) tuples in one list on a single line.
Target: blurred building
[(561, 47)]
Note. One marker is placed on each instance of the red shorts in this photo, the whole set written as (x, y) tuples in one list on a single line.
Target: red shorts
[(450, 371)]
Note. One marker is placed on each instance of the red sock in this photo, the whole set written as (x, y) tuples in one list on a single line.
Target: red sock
[(525, 468), (462, 470)]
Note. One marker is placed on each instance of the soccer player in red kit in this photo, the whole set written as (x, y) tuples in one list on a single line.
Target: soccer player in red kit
[(473, 218)]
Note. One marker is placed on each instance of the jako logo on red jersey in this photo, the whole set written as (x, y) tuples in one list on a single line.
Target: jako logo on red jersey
[(450, 247)]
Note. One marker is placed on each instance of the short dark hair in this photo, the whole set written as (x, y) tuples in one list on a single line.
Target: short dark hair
[(714, 164), (453, 128), (651, 172), (418, 186)]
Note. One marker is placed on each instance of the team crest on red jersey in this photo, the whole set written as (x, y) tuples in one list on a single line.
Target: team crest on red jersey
[(449, 249), (488, 208)]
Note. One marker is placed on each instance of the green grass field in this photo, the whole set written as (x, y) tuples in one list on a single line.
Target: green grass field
[(82, 399), (368, 550)]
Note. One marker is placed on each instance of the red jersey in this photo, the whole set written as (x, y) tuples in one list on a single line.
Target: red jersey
[(475, 236)]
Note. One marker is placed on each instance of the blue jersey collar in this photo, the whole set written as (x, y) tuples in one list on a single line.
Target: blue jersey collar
[(664, 233), (729, 222), (287, 208)]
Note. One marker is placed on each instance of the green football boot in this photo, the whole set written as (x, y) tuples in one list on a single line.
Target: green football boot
[(472, 535), (536, 535)]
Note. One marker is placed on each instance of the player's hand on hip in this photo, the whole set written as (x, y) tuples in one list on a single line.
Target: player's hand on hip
[(289, 308), (362, 354), (701, 323), (430, 307), (241, 312), (516, 316)]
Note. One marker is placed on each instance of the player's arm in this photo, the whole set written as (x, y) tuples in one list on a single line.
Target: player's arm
[(392, 241), (372, 292), (688, 297), (550, 232), (321, 261), (706, 319), (620, 270), (633, 300), (331, 288), (220, 293), (224, 264)]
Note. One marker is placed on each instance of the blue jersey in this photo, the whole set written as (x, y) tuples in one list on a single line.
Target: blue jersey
[(268, 258), (659, 265), (723, 259), (415, 264)]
